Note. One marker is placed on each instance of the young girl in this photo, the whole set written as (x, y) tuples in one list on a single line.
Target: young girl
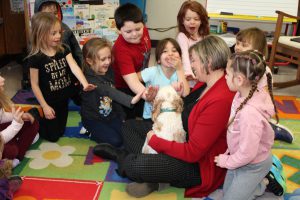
[(169, 70), (193, 26), (51, 65), (249, 135), (101, 110), (18, 129), (255, 39)]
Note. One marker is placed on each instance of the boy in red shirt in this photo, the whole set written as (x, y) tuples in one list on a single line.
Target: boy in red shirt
[(131, 53)]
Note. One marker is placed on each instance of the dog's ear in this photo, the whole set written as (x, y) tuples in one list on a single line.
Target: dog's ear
[(156, 108), (178, 104)]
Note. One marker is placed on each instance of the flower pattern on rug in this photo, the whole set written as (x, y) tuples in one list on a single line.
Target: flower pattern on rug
[(50, 153)]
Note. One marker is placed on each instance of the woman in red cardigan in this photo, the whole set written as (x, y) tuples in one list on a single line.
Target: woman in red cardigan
[(187, 165)]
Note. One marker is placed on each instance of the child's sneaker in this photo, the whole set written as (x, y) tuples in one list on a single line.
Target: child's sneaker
[(277, 163), (277, 183), (282, 133)]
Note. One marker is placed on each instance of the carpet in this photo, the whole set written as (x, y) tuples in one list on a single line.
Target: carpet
[(69, 170)]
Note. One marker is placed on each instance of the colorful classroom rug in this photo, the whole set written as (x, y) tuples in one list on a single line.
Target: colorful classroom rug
[(68, 170)]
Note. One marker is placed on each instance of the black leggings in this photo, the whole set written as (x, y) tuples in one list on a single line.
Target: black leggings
[(153, 168)]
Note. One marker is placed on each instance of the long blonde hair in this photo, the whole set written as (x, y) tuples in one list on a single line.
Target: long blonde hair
[(5, 102), (41, 25)]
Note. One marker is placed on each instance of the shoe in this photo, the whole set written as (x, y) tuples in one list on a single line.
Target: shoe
[(282, 133), (277, 183), (139, 190), (109, 152), (277, 163)]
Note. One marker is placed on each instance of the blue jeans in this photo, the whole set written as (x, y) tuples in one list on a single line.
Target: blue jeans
[(105, 131)]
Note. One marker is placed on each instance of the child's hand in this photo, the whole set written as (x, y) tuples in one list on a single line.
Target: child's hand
[(150, 93), (217, 161), (149, 135), (49, 112), (17, 114), (137, 97), (174, 62), (28, 117), (178, 86), (89, 87), (190, 77)]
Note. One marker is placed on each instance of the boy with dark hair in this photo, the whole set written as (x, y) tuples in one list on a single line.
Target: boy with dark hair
[(131, 53)]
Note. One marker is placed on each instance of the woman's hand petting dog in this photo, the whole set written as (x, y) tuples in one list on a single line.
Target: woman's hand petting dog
[(149, 135)]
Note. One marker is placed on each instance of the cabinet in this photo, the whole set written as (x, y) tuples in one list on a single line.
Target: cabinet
[(12, 30)]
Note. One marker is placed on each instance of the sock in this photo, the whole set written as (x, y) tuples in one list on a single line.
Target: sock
[(15, 162)]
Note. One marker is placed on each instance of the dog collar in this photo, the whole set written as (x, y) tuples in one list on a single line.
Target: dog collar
[(162, 110)]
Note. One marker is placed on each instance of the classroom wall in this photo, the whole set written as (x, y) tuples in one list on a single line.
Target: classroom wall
[(162, 14)]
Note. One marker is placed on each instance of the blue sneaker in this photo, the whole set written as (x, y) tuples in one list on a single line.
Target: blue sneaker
[(282, 133), (277, 183), (277, 163)]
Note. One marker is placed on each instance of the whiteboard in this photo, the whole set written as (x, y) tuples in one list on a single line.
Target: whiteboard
[(253, 7)]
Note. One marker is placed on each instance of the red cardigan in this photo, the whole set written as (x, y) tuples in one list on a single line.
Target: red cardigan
[(207, 127)]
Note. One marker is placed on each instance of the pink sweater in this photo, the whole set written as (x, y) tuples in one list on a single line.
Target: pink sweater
[(185, 43), (12, 130), (250, 136)]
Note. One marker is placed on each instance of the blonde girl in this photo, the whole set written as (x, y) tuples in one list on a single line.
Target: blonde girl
[(51, 65), (249, 135), (101, 110), (18, 129), (193, 26)]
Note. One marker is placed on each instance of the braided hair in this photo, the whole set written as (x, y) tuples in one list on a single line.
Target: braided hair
[(253, 66)]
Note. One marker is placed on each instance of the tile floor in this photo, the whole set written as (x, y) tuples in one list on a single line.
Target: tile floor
[(12, 73)]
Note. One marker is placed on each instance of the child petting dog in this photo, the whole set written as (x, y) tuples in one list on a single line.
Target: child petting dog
[(168, 70)]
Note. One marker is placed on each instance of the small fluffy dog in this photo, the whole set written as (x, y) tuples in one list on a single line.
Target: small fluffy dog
[(166, 116)]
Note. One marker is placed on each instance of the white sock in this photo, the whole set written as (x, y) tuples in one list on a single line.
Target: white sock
[(15, 162), (36, 138), (82, 130)]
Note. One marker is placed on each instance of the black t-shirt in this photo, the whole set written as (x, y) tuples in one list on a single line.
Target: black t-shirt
[(54, 75)]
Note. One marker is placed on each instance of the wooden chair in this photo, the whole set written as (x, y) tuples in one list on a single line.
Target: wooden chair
[(285, 49)]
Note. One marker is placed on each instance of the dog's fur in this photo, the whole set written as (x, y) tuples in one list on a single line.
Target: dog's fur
[(167, 125)]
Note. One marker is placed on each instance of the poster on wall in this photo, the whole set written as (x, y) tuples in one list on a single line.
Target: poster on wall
[(16, 6)]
